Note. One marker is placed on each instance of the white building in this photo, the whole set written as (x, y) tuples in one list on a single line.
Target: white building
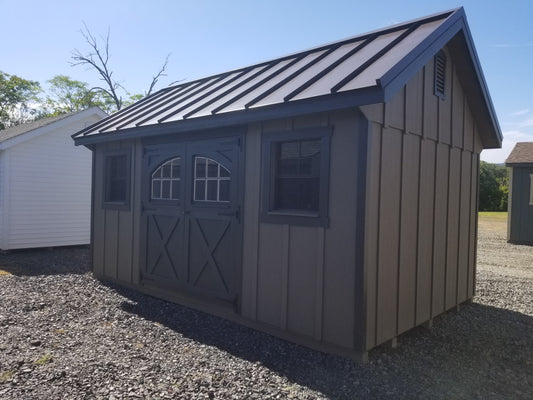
[(45, 183)]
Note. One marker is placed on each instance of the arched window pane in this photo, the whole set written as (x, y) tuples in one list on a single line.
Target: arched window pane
[(211, 181), (166, 181)]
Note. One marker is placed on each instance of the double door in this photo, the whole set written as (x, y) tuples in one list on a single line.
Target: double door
[(191, 222)]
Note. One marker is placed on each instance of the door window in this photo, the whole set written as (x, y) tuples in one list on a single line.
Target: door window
[(166, 180), (211, 181)]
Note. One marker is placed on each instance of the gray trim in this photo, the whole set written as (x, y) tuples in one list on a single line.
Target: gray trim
[(268, 214), (360, 289)]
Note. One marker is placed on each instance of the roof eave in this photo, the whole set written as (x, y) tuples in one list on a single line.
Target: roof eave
[(339, 101)]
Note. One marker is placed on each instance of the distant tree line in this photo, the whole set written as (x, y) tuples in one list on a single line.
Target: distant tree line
[(493, 187)]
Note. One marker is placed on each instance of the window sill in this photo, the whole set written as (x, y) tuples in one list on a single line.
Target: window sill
[(295, 217), (121, 206)]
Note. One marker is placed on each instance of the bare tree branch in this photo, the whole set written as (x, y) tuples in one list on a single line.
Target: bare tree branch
[(158, 75), (98, 59)]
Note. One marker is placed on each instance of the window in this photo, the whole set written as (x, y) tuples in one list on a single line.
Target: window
[(166, 181), (296, 177), (211, 181), (440, 74), (117, 177)]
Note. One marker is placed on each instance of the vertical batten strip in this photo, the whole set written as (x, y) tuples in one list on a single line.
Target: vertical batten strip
[(319, 302), (285, 276), (399, 249)]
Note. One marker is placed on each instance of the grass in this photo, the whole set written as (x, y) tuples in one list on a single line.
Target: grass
[(5, 376), (44, 359), (494, 221)]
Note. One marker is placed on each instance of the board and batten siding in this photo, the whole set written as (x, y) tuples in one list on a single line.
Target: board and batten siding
[(301, 279), (420, 219), (116, 231), (520, 210), (46, 190)]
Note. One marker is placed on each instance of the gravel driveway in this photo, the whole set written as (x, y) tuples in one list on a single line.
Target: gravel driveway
[(65, 335)]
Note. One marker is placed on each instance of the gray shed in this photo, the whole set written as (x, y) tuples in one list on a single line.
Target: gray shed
[(328, 197), (520, 205)]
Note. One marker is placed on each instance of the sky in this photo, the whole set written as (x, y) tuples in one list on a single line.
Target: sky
[(205, 37)]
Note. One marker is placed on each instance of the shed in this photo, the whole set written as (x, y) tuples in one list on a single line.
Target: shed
[(45, 183), (520, 204), (328, 197)]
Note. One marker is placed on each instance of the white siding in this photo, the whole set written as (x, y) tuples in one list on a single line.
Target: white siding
[(49, 190), (2, 196)]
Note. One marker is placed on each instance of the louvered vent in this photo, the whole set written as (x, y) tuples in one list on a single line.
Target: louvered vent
[(440, 74)]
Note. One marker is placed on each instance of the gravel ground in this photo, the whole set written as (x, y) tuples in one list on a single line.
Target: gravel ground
[(65, 335)]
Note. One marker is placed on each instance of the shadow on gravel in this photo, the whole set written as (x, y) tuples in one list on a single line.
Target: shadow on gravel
[(480, 352), (46, 261)]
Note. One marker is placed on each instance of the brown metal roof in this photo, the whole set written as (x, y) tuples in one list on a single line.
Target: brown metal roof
[(521, 154), (364, 69)]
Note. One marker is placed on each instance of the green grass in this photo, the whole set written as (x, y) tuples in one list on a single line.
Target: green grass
[(492, 221), (496, 215), (44, 359)]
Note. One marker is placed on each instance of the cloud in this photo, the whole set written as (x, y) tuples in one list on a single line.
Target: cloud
[(511, 45), (520, 112)]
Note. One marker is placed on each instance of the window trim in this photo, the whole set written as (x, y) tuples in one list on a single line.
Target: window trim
[(268, 164), (116, 205)]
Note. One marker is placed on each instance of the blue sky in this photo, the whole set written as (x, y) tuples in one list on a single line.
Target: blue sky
[(209, 36)]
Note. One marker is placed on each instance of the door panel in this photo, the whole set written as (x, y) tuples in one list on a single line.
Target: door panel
[(193, 243)]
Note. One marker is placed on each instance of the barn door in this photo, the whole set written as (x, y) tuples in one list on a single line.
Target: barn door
[(191, 217)]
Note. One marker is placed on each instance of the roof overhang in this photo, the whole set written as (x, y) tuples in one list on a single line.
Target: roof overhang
[(451, 30)]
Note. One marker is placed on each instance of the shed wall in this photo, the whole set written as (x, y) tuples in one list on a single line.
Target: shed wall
[(46, 191), (520, 211), (302, 279), (421, 201), (116, 232), (296, 280)]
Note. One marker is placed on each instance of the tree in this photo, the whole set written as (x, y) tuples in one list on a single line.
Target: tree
[(16, 97), (98, 59), (493, 187), (68, 95)]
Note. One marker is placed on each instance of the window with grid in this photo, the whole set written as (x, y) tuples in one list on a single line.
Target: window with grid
[(117, 177), (296, 176), (166, 180), (211, 181)]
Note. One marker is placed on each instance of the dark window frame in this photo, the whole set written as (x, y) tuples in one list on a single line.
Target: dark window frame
[(107, 203), (270, 143)]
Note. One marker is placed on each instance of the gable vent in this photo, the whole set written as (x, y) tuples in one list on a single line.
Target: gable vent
[(440, 74)]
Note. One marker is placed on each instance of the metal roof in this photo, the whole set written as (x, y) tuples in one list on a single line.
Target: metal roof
[(522, 154), (363, 69)]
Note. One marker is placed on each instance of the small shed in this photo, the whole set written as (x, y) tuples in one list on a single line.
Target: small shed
[(520, 204), (45, 183), (328, 197)]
